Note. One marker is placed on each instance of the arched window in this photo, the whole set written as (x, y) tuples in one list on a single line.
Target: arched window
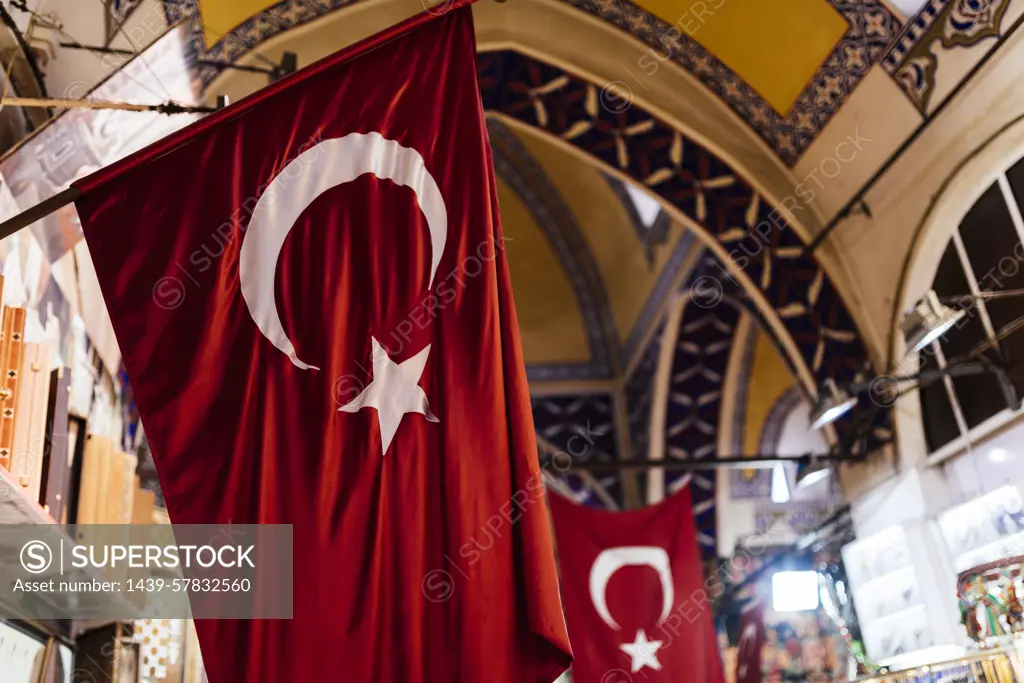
[(985, 254)]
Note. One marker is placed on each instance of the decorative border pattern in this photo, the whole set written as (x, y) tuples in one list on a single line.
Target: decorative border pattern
[(798, 517), (514, 164), (669, 272), (699, 184), (583, 427), (872, 27), (746, 484), (699, 365), (953, 23)]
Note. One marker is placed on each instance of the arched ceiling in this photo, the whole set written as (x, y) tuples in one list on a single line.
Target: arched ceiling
[(784, 68), (619, 272)]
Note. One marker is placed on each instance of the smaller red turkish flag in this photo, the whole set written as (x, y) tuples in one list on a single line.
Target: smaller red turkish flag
[(636, 604), (748, 650)]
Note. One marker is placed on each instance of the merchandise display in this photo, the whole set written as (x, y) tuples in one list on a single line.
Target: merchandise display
[(997, 667), (986, 529), (886, 582), (990, 608)]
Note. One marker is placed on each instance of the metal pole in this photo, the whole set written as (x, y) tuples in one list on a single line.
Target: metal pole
[(982, 296), (732, 462), (201, 62), (46, 102), (39, 211)]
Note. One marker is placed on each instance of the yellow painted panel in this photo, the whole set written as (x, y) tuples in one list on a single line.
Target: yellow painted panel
[(220, 16), (618, 252), (769, 380), (776, 46), (550, 323)]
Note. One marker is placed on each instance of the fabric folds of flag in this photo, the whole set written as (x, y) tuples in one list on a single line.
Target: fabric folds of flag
[(637, 604), (751, 643), (311, 296)]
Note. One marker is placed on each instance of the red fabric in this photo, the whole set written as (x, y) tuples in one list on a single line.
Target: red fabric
[(751, 643), (432, 564), (634, 593)]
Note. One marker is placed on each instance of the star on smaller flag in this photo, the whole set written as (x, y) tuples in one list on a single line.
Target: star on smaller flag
[(643, 652)]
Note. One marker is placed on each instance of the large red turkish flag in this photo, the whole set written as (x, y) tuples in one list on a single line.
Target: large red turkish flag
[(636, 602), (314, 308)]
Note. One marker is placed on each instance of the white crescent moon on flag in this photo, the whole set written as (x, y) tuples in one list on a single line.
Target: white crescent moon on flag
[(325, 165), (614, 559)]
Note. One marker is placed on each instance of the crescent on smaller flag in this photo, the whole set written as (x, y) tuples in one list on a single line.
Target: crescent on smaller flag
[(326, 165), (612, 560)]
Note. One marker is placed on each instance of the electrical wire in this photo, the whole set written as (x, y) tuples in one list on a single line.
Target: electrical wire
[(137, 50), (53, 26), (7, 82)]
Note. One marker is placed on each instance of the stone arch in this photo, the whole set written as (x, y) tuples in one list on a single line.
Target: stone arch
[(953, 199)]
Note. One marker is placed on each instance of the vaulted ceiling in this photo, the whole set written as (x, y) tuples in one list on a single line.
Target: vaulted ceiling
[(784, 68)]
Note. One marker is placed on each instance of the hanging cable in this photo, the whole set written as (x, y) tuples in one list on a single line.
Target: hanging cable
[(137, 51), (54, 26)]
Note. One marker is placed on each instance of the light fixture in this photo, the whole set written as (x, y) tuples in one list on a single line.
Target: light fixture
[(928, 320), (795, 591), (780, 484), (832, 404), (811, 472)]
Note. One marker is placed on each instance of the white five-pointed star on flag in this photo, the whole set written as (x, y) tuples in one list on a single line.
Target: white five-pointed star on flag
[(394, 391), (643, 652)]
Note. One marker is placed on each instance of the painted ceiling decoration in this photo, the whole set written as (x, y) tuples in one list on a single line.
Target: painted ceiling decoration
[(582, 426), (700, 185), (699, 365), (951, 23), (809, 54), (787, 95), (853, 33), (514, 164)]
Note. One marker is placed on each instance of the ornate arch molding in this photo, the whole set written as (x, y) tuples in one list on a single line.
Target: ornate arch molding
[(524, 175), (872, 27), (955, 196)]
